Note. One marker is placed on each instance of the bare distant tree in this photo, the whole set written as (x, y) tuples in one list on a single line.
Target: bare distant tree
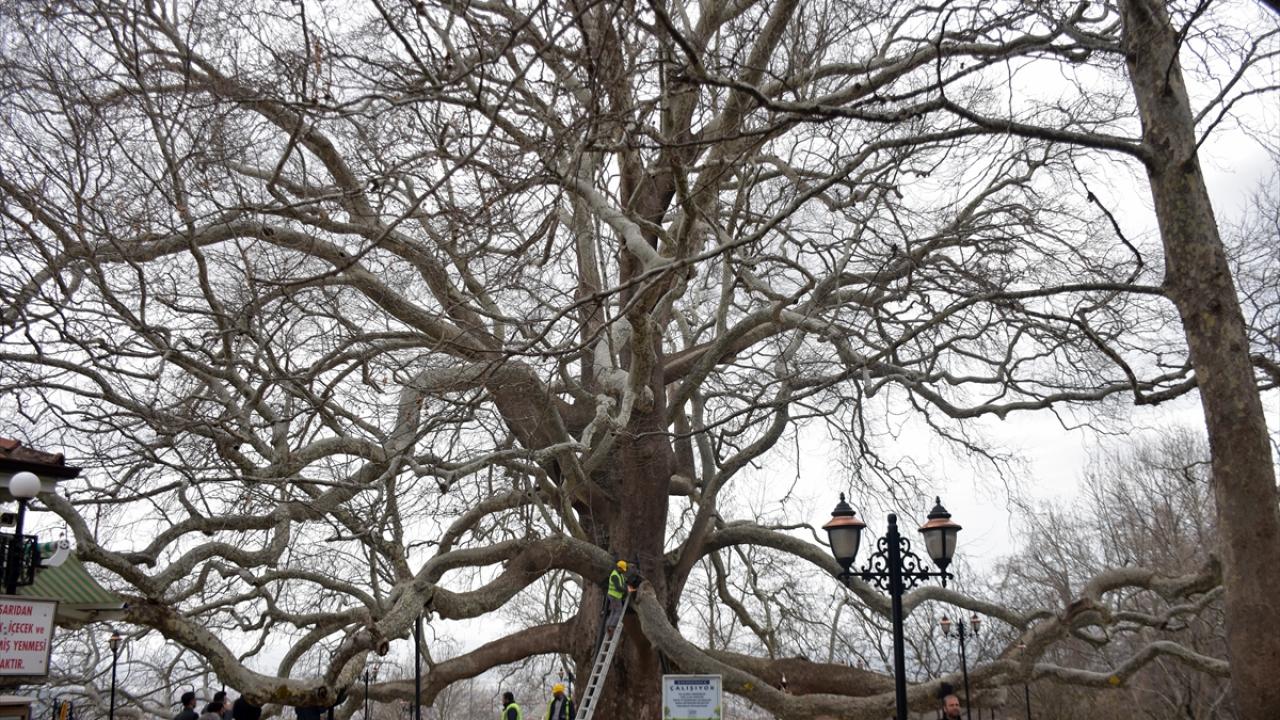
[(356, 310), (1255, 245), (1148, 504)]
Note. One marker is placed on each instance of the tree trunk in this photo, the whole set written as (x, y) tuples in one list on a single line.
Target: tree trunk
[(639, 480), (1198, 280)]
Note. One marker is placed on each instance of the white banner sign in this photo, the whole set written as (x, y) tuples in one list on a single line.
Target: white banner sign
[(26, 635), (691, 697)]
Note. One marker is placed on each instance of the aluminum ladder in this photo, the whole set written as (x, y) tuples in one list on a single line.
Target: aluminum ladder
[(600, 667)]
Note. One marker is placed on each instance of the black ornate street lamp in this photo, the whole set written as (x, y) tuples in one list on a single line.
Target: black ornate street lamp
[(22, 486), (114, 643), (893, 568), (962, 630)]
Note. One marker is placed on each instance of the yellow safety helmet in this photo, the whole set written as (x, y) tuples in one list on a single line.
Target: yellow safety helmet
[(622, 565), (557, 688)]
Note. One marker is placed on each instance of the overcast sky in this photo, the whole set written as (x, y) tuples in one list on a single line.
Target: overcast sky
[(1055, 458)]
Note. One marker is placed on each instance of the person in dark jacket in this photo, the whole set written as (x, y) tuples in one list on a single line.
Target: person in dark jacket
[(242, 709), (220, 704), (188, 711)]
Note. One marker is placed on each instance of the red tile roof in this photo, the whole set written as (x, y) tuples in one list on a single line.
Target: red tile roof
[(14, 456)]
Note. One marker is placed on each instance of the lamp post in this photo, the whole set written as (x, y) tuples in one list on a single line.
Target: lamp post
[(1026, 686), (417, 667), (114, 643), (962, 630), (368, 670), (22, 486), (893, 568)]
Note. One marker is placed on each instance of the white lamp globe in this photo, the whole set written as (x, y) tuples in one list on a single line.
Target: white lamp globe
[(24, 485)]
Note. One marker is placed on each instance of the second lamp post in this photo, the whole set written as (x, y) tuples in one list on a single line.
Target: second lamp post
[(369, 669), (893, 568), (972, 629), (113, 642)]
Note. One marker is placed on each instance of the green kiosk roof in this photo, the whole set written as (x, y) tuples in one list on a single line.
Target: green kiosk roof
[(80, 597)]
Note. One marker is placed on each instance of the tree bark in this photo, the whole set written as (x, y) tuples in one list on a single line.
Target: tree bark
[(637, 482), (1198, 281)]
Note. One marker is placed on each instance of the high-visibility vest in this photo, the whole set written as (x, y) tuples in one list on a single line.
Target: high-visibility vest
[(565, 714), (519, 712), (617, 585)]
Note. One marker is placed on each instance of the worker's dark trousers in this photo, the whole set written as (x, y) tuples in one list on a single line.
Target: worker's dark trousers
[(615, 612)]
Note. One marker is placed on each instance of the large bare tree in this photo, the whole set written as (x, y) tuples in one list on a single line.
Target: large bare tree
[(356, 309)]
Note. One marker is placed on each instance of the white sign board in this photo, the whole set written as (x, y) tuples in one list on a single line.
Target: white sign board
[(26, 635), (691, 697)]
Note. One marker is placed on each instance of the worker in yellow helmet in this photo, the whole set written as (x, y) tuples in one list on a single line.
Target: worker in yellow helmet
[(616, 590), (561, 705)]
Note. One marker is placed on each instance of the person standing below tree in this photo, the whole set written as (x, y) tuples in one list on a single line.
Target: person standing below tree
[(212, 711), (560, 707), (188, 711), (242, 709), (510, 710), (951, 707), (223, 704)]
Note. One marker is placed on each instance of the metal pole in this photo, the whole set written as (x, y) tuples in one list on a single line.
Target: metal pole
[(15, 551), (115, 654), (417, 667), (895, 594), (1027, 689), (964, 667), (366, 694)]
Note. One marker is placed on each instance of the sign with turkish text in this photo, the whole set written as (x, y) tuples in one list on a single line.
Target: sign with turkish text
[(26, 635), (691, 697)]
